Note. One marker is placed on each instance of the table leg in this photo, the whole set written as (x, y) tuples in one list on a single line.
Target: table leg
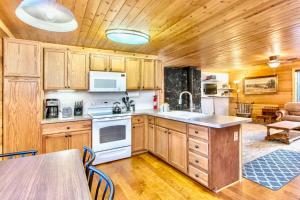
[(287, 139), (268, 133)]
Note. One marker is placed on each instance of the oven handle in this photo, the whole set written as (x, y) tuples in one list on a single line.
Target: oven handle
[(111, 119)]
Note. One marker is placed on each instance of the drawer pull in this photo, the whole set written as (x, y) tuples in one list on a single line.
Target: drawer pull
[(133, 127), (196, 146), (196, 161), (68, 127), (196, 132), (166, 131), (196, 175)]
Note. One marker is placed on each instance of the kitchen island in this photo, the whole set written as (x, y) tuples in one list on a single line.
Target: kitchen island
[(205, 148)]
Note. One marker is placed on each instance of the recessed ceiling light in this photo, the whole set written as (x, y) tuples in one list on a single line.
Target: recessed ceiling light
[(47, 15), (127, 36)]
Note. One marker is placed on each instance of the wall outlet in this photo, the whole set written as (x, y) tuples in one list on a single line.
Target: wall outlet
[(235, 136)]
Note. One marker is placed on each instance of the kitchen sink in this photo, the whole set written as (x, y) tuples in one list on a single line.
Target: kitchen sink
[(183, 114)]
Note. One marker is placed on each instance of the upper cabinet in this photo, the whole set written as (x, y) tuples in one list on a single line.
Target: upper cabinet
[(100, 62), (65, 69), (21, 58), (78, 70), (148, 74), (133, 73)]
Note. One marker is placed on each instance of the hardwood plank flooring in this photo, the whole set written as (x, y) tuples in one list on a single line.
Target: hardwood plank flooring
[(147, 177)]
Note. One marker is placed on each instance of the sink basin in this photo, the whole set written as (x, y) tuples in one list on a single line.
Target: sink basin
[(183, 114)]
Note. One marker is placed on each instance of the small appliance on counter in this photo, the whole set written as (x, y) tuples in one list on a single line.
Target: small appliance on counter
[(51, 108), (66, 112), (78, 108)]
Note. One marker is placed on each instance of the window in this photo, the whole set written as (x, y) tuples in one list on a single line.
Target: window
[(297, 85)]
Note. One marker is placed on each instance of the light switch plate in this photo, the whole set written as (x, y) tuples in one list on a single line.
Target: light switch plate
[(235, 136)]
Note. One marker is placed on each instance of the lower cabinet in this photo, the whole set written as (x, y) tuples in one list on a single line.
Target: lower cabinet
[(138, 137), (151, 138), (67, 135), (171, 146)]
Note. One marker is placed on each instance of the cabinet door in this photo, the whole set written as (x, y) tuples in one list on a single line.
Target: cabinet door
[(162, 142), (21, 114), (148, 74), (55, 69), (55, 142), (138, 137), (178, 150), (78, 70), (99, 62), (133, 73), (21, 58), (151, 138), (158, 75), (117, 63), (79, 139)]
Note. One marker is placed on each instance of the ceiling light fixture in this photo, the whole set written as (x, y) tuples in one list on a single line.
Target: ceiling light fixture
[(127, 36), (274, 61), (47, 15)]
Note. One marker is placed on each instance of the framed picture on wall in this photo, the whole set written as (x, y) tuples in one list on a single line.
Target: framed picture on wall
[(260, 85)]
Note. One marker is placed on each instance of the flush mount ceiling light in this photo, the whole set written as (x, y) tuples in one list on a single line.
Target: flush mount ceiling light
[(274, 61), (127, 36), (47, 15)]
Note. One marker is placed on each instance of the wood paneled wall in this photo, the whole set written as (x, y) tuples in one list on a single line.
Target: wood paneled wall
[(285, 87), (1, 88)]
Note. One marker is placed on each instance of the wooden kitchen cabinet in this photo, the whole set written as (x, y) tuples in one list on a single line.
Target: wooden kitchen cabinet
[(178, 150), (65, 69), (55, 142), (159, 75), (117, 63), (55, 69), (21, 114), (162, 142), (151, 138), (21, 58), (148, 73), (99, 62), (138, 137), (133, 73), (66, 135), (78, 70)]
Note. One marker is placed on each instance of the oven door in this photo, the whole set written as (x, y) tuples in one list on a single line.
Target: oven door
[(111, 133)]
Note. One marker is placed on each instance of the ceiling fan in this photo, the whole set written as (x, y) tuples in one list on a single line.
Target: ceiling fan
[(275, 61)]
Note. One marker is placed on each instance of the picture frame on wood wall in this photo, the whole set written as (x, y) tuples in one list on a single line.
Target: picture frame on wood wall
[(261, 85)]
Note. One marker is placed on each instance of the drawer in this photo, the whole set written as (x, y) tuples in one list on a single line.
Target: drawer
[(198, 175), (198, 160), (171, 124), (198, 146), (137, 119), (66, 127), (150, 119), (198, 131)]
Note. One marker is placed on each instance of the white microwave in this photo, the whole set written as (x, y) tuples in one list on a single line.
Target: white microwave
[(107, 82)]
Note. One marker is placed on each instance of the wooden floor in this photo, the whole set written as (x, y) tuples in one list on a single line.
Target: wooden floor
[(146, 177)]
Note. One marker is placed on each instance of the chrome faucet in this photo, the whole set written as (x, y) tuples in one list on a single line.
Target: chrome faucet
[(191, 99)]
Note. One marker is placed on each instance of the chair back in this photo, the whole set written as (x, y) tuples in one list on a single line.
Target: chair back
[(18, 154), (244, 109), (104, 183), (88, 158)]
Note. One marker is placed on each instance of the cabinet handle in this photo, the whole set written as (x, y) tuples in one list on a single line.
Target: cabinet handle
[(196, 146), (196, 175), (196, 132), (68, 127), (133, 127), (166, 131), (196, 161)]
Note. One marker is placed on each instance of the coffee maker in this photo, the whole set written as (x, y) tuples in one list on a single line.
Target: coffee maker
[(51, 108)]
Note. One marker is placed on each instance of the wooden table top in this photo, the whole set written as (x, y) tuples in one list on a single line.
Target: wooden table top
[(58, 175), (286, 125)]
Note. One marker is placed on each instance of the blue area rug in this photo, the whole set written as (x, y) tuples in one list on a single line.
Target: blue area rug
[(273, 170)]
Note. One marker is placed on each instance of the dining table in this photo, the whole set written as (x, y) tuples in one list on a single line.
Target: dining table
[(56, 176)]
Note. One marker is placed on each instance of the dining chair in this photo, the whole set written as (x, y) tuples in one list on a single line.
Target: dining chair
[(88, 158), (18, 154), (102, 178)]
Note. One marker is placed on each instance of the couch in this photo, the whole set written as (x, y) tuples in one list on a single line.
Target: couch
[(290, 112)]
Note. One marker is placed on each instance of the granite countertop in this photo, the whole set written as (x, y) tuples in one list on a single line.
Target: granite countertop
[(213, 121), (70, 119)]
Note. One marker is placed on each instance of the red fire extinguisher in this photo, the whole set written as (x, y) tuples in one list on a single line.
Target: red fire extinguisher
[(155, 102)]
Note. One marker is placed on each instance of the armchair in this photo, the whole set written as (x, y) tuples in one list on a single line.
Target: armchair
[(290, 112)]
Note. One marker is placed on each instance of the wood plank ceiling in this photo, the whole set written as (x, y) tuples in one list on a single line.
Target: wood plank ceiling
[(206, 33)]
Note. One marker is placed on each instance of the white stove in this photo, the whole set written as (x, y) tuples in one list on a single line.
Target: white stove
[(111, 134)]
